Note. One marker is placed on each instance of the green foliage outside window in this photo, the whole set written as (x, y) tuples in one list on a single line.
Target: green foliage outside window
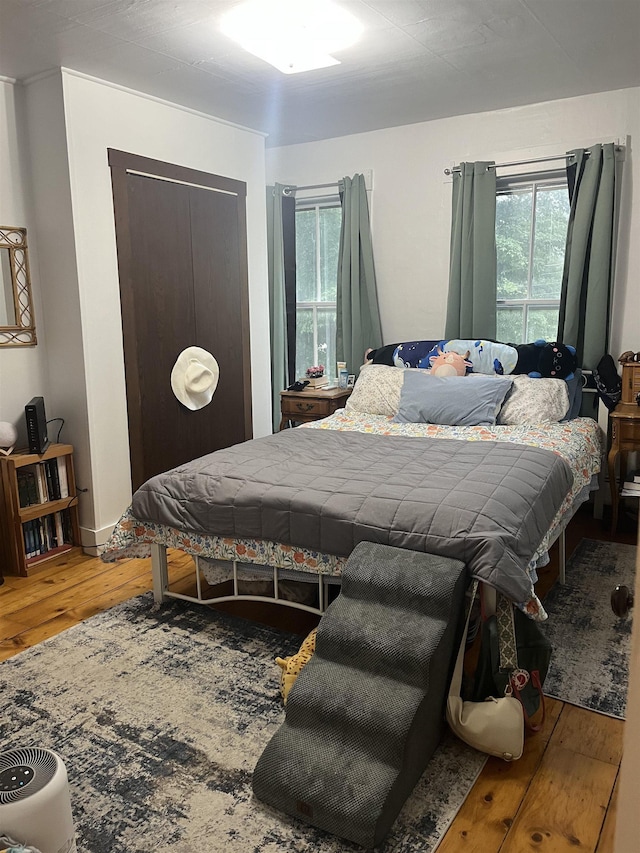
[(531, 228), (317, 247)]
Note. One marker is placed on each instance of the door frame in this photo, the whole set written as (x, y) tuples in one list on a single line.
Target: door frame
[(121, 164)]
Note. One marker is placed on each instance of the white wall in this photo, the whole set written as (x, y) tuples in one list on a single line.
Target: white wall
[(98, 116), (65, 394), (411, 199), (23, 370)]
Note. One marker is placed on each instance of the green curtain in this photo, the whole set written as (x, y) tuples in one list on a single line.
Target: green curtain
[(358, 317), (471, 303), (277, 299), (594, 176)]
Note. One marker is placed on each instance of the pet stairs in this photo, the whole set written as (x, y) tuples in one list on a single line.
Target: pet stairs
[(366, 713)]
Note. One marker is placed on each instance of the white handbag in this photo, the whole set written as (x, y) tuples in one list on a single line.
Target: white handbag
[(495, 726)]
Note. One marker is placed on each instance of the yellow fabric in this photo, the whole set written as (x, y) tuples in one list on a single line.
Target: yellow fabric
[(292, 666)]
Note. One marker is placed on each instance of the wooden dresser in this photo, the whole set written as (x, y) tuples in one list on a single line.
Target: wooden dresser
[(625, 436), (630, 382)]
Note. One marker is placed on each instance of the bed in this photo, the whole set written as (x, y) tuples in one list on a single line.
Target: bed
[(282, 513)]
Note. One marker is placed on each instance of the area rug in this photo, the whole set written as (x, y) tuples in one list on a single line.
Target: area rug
[(160, 715), (591, 645)]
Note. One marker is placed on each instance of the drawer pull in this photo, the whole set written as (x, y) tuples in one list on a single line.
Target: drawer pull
[(304, 407)]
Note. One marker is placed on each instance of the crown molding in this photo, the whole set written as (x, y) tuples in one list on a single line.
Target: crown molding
[(71, 72)]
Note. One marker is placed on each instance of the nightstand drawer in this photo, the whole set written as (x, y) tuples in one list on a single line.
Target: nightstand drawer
[(305, 406), (629, 431)]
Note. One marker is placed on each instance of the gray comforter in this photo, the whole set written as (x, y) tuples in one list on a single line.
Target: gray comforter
[(486, 503)]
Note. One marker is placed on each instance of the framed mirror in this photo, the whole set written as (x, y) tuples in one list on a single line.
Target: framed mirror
[(17, 323)]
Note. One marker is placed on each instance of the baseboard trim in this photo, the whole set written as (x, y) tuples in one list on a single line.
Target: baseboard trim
[(93, 541)]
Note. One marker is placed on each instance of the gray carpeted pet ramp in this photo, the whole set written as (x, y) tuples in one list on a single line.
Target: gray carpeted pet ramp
[(366, 713)]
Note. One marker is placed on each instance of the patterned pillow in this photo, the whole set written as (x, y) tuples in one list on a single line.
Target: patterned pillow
[(377, 390), (535, 401), (486, 356)]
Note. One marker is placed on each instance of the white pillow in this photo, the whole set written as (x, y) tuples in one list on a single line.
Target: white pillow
[(534, 401), (377, 390)]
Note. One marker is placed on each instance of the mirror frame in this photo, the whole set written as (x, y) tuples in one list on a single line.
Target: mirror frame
[(23, 332)]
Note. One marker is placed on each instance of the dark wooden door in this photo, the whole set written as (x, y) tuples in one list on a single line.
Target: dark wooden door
[(181, 238)]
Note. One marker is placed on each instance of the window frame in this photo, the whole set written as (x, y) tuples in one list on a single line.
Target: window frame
[(316, 203), (550, 178)]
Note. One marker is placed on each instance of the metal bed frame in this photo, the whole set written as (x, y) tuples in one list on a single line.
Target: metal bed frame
[(161, 590)]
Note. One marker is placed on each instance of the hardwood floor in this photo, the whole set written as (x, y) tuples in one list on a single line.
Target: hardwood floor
[(560, 796)]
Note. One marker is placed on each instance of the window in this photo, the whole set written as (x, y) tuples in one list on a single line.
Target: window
[(317, 244), (531, 229)]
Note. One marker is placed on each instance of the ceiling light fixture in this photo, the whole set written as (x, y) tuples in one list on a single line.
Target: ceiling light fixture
[(292, 35)]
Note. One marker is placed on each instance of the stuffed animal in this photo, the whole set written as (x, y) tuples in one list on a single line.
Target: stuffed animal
[(292, 666), (415, 353), (490, 357), (549, 360), (449, 364)]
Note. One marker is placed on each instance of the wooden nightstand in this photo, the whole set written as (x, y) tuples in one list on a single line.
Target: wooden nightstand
[(304, 406), (625, 436)]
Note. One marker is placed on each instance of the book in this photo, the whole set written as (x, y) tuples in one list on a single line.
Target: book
[(59, 532), (630, 493), (318, 382), (34, 485), (41, 482), (53, 479), (32, 488), (44, 535), (46, 467), (23, 488), (32, 543), (67, 528), (53, 537), (631, 485), (62, 476), (27, 539)]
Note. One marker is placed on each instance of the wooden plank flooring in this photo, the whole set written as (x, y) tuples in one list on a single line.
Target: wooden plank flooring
[(560, 796)]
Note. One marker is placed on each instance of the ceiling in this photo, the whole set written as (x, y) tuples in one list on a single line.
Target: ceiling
[(417, 60)]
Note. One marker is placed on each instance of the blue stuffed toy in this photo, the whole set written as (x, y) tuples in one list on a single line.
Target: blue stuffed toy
[(548, 360), (416, 353)]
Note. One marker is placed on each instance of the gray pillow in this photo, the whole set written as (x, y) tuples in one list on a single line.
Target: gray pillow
[(452, 400)]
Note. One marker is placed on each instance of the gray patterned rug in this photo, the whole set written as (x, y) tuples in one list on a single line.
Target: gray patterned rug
[(160, 716), (591, 645)]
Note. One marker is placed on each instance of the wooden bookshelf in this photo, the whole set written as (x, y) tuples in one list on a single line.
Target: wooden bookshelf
[(42, 532)]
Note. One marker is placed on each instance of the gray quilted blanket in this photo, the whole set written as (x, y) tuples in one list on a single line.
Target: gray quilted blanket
[(485, 503)]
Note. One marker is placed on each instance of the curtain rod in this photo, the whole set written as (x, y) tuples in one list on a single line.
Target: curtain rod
[(291, 190), (518, 162)]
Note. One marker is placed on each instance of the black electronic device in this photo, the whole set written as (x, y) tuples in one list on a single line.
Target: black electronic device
[(36, 425)]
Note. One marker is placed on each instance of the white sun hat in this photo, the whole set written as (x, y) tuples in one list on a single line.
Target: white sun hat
[(194, 377)]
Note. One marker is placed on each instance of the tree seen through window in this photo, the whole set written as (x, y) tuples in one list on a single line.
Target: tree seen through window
[(317, 245), (531, 229)]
